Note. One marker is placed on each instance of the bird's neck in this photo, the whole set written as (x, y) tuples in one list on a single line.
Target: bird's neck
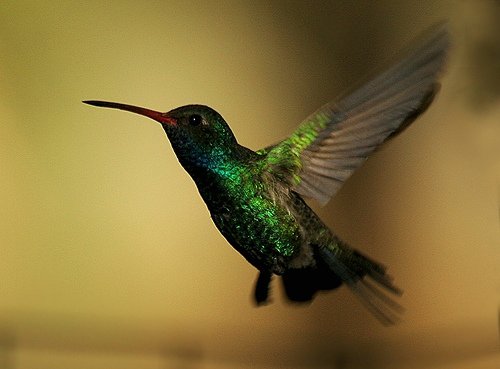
[(220, 165)]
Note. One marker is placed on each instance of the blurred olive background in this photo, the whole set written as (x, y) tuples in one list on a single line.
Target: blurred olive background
[(108, 257)]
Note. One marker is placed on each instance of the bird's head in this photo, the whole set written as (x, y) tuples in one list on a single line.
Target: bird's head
[(199, 135)]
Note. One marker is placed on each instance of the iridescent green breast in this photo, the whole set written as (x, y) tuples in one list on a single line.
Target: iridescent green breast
[(252, 212)]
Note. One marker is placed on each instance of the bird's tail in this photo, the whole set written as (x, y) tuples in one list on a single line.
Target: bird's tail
[(367, 279)]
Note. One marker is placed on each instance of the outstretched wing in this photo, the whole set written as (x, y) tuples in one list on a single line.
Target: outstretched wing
[(336, 139)]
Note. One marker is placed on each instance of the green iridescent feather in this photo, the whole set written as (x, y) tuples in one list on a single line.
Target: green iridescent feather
[(284, 159)]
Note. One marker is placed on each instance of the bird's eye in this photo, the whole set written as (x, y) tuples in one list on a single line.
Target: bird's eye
[(195, 120)]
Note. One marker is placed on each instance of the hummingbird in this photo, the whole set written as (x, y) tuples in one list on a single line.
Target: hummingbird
[(257, 198)]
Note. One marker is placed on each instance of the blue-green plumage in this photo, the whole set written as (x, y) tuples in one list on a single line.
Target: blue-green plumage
[(256, 198)]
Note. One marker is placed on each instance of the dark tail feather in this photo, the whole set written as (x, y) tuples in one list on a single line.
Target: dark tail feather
[(301, 285), (354, 269)]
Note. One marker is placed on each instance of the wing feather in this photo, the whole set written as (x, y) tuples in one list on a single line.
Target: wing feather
[(335, 140)]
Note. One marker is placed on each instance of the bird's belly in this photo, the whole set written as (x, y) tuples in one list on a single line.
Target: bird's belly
[(267, 235)]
